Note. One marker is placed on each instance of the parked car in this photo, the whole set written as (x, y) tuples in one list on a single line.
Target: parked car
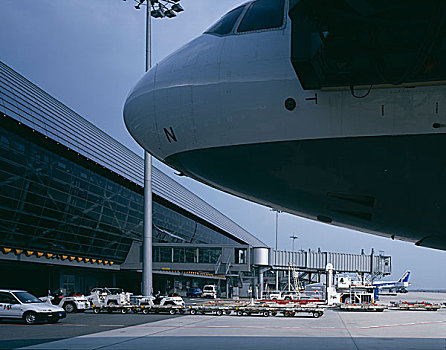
[(194, 293), (19, 304), (210, 291)]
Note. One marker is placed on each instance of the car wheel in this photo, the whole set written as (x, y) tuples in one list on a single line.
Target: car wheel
[(266, 313), (30, 318), (69, 307), (219, 312), (96, 310), (172, 311), (193, 311)]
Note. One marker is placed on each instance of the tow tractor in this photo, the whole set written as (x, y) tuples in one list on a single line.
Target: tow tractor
[(110, 299), (171, 304), (72, 303)]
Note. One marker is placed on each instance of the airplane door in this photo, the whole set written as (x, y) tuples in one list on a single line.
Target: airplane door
[(9, 306)]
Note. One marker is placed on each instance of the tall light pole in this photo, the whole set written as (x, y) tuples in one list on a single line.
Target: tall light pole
[(156, 9), (293, 237), (277, 244), (277, 227)]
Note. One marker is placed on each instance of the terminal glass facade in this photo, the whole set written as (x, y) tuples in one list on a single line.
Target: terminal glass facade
[(200, 255), (51, 202)]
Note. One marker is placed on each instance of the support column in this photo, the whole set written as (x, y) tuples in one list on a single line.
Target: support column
[(147, 275), (277, 280), (261, 283)]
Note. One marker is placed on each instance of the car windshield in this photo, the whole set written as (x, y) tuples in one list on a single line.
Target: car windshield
[(27, 298)]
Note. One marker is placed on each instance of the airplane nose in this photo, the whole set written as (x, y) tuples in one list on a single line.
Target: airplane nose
[(139, 112)]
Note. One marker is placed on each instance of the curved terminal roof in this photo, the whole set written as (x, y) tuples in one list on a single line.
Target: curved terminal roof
[(22, 100)]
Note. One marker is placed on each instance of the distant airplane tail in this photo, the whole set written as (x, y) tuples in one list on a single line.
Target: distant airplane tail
[(405, 277)]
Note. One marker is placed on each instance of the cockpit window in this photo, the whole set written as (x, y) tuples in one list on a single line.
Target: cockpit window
[(226, 23), (263, 14)]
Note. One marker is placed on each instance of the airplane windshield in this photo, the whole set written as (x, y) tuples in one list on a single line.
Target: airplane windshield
[(263, 14), (226, 23)]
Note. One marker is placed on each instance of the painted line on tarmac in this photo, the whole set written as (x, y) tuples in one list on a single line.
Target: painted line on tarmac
[(231, 327), (290, 327), (71, 325)]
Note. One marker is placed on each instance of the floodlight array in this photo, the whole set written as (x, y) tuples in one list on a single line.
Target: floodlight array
[(161, 8)]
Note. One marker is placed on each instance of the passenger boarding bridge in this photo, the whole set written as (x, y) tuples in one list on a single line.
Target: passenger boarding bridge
[(243, 266)]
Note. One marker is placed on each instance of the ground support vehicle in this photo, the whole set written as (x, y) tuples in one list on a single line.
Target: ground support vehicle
[(218, 310), (287, 311), (170, 300), (144, 308), (360, 307), (109, 297), (314, 311), (294, 301), (74, 303), (415, 306), (218, 307), (19, 304), (159, 309), (123, 309)]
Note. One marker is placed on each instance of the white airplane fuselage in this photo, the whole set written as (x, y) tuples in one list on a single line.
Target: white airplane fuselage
[(215, 110)]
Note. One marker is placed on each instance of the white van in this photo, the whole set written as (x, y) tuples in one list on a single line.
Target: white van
[(19, 304), (209, 291)]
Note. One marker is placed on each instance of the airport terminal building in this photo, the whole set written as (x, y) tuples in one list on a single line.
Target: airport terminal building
[(71, 208)]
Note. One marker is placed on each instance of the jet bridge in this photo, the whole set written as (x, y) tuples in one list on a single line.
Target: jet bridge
[(311, 265), (342, 263)]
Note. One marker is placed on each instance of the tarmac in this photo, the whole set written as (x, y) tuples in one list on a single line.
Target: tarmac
[(334, 330)]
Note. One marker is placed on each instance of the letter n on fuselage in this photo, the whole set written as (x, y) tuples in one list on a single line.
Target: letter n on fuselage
[(170, 134)]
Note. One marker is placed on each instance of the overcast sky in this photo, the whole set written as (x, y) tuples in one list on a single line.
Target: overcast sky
[(89, 54)]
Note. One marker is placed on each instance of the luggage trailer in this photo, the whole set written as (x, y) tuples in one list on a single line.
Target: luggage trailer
[(360, 307), (413, 306), (287, 311), (256, 309)]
